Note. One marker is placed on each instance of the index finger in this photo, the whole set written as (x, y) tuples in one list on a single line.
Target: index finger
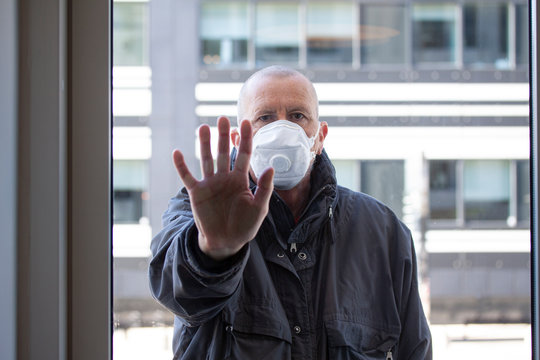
[(182, 169), (244, 150)]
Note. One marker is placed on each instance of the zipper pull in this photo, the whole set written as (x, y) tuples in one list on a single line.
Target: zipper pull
[(293, 248), (330, 212), (389, 355)]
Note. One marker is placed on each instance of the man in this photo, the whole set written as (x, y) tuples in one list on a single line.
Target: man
[(280, 262)]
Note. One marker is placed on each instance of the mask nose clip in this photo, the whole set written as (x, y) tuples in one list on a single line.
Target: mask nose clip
[(280, 163)]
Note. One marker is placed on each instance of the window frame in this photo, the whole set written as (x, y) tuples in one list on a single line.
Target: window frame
[(63, 209), (81, 327)]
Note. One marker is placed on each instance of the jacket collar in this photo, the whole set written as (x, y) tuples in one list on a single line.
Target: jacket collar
[(323, 198)]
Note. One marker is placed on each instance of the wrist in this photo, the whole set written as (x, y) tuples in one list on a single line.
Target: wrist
[(217, 253)]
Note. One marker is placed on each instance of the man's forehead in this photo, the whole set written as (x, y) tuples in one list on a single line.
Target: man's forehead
[(264, 87), (261, 84)]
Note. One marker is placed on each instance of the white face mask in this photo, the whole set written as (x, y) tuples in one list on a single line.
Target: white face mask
[(284, 146)]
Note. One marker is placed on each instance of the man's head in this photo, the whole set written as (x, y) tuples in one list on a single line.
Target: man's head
[(280, 93), (275, 72)]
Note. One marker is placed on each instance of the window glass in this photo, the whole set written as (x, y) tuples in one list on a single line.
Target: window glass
[(522, 35), (130, 188), (442, 189), (224, 33), (277, 36), (382, 34), (348, 173), (433, 145), (330, 28), (434, 34), (482, 47), (384, 180), (130, 40), (127, 206), (486, 189), (523, 191)]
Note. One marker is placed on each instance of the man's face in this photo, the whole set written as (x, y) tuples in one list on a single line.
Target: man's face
[(271, 98)]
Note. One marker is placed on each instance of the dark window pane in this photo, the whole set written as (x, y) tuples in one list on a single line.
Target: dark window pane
[(128, 206), (382, 34), (224, 51), (384, 180), (442, 189), (523, 191), (486, 35), (434, 28), (522, 35)]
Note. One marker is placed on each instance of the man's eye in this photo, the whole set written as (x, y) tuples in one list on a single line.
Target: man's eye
[(298, 116), (265, 118)]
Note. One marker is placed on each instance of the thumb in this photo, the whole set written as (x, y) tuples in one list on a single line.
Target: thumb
[(265, 186)]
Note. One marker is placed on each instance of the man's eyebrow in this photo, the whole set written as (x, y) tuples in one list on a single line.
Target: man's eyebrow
[(265, 111), (298, 109)]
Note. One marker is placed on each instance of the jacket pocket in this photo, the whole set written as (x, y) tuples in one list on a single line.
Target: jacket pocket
[(357, 341), (258, 333)]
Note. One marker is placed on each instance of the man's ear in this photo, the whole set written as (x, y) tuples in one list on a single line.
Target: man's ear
[(235, 137), (323, 131)]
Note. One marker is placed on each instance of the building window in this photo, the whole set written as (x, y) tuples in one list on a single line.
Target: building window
[(127, 206), (382, 35), (131, 32), (130, 188), (277, 33), (491, 193), (523, 192), (485, 33), (434, 34), (442, 189), (330, 28), (382, 179), (385, 181), (348, 173), (486, 189), (224, 33)]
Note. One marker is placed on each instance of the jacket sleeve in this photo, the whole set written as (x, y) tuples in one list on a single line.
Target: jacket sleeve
[(182, 278), (415, 338)]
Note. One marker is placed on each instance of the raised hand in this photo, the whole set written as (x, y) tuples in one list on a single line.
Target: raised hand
[(226, 213)]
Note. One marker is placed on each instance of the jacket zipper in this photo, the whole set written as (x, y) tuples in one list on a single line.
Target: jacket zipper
[(389, 355), (293, 248)]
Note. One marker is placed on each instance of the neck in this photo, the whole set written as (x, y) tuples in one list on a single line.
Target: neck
[(297, 197)]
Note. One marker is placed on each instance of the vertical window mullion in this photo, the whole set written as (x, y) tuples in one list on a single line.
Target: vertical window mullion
[(409, 61), (459, 33), (302, 21), (511, 36), (460, 197), (513, 203), (356, 37), (251, 35)]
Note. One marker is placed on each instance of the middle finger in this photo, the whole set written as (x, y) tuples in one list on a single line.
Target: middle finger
[(223, 145), (207, 161)]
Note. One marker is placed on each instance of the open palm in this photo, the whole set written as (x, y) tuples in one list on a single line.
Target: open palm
[(226, 213)]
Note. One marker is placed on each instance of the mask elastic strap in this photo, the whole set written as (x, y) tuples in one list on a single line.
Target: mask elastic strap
[(312, 141)]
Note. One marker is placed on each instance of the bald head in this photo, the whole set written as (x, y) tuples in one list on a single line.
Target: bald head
[(278, 73)]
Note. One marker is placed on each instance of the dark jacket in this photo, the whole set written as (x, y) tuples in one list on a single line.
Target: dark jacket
[(349, 291)]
